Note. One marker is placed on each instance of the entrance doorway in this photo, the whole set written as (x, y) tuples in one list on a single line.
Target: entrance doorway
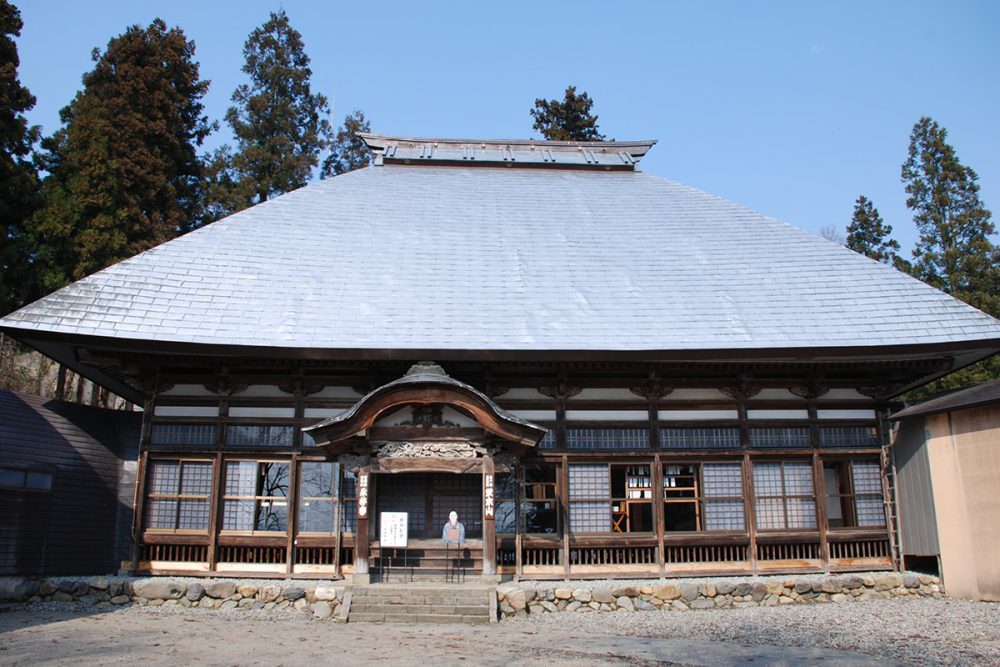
[(428, 498)]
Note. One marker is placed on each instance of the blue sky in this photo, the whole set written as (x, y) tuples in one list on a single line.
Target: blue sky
[(790, 108)]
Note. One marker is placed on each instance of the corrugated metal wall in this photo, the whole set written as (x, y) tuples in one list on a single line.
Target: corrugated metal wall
[(76, 527), (916, 496)]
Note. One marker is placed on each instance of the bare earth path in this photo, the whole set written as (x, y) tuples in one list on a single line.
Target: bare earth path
[(909, 632)]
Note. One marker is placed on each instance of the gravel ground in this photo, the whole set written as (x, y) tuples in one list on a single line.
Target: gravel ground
[(912, 631), (900, 632)]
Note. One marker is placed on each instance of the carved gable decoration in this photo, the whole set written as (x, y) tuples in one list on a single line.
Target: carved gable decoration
[(426, 416), (430, 450)]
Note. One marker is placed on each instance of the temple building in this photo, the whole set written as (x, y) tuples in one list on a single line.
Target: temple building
[(602, 372)]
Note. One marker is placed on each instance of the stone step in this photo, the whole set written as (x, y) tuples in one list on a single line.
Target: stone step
[(417, 618), (462, 610), (433, 596)]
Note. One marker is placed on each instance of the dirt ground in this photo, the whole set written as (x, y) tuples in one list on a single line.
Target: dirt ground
[(36, 636)]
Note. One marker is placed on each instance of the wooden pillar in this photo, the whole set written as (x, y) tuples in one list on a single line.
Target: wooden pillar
[(215, 512), (519, 522), (562, 491), (361, 539), (293, 514), (489, 517)]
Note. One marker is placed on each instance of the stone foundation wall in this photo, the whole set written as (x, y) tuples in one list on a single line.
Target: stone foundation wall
[(524, 598), (322, 601)]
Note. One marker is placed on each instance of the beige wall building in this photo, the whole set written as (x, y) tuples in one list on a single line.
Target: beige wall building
[(948, 464)]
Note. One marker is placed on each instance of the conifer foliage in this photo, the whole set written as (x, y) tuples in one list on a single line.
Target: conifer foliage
[(124, 175), (18, 182), (568, 120), (279, 124), (954, 252), (870, 236), (348, 151)]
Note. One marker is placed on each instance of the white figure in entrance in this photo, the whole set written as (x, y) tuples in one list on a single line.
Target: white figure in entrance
[(454, 531)]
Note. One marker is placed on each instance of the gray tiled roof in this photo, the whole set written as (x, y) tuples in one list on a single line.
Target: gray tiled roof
[(981, 394), (456, 258)]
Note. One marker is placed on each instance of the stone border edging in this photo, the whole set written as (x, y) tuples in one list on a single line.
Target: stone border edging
[(518, 599), (322, 601)]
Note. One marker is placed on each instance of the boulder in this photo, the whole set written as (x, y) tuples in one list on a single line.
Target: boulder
[(503, 589), (911, 581), (886, 582), (708, 590), (831, 585), (247, 591), (667, 592), (16, 589), (627, 591), (268, 593), (221, 589), (702, 604), (59, 596), (803, 587), (743, 589), (625, 602), (642, 605), (89, 600), (326, 593), (563, 594), (194, 592), (582, 595), (724, 588), (853, 582), (47, 587), (517, 599), (689, 592), (229, 604), (120, 600), (293, 593), (603, 595), (158, 589)]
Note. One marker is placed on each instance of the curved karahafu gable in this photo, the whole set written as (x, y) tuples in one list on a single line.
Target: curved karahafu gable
[(424, 384)]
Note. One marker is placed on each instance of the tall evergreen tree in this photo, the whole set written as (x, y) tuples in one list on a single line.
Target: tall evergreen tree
[(568, 120), (870, 236), (123, 170), (348, 151), (279, 124), (18, 180), (954, 252)]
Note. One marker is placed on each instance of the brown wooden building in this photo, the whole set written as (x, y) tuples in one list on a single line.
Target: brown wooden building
[(602, 372)]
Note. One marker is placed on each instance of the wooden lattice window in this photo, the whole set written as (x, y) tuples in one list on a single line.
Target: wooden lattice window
[(191, 435), (178, 494), (854, 494), (607, 498), (541, 504), (703, 497), (700, 438), (349, 504), (318, 497), (505, 491), (784, 497), (260, 435), (256, 496), (780, 438), (607, 438)]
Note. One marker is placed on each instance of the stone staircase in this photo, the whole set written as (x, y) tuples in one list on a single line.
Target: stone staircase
[(418, 603)]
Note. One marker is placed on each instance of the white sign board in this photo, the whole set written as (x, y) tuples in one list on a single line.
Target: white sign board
[(393, 529)]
